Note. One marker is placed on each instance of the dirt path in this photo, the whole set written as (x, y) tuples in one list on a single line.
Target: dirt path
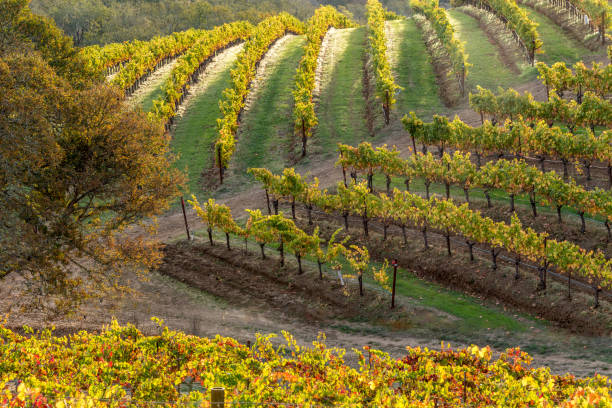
[(155, 80), (210, 74)]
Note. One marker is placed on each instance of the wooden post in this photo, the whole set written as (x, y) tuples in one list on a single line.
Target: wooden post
[(394, 263), (217, 397), (185, 218)]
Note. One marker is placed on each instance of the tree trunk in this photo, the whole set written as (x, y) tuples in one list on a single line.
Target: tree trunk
[(413, 144), (299, 260), (542, 282), (427, 183), (407, 183), (220, 165), (360, 277), (227, 241), (268, 202), (488, 196), (517, 263), (425, 242), (559, 218), (281, 249), (263, 253), (388, 184), (467, 194), (293, 207), (304, 138), (447, 185), (471, 249), (365, 226), (320, 269), (448, 243), (404, 235), (210, 238), (511, 202), (587, 164), (275, 204), (385, 228), (494, 255), (582, 222), (532, 201), (309, 211), (346, 224)]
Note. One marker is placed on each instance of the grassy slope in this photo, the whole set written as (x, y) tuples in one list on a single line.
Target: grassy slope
[(147, 102), (196, 131), (558, 46), (488, 70), (341, 106), (413, 72), (266, 131)]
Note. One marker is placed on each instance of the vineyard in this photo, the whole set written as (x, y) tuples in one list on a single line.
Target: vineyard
[(394, 181)]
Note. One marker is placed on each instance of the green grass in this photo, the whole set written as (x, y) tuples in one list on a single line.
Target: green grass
[(147, 102), (341, 108), (196, 131), (414, 72), (488, 70), (468, 314), (472, 314), (558, 46), (266, 131)]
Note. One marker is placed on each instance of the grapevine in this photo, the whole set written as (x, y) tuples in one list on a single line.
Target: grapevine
[(514, 177), (444, 215), (120, 366), (316, 28), (234, 97), (385, 84), (191, 64)]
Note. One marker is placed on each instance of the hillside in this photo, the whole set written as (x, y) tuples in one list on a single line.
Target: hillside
[(471, 145)]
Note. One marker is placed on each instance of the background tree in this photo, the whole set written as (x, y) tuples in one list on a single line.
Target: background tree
[(76, 169)]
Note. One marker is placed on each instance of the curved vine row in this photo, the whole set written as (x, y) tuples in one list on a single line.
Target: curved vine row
[(559, 78), (385, 83), (517, 138), (517, 20), (234, 97), (190, 65), (152, 55), (514, 177), (110, 57), (316, 28), (404, 208), (446, 34), (592, 110)]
